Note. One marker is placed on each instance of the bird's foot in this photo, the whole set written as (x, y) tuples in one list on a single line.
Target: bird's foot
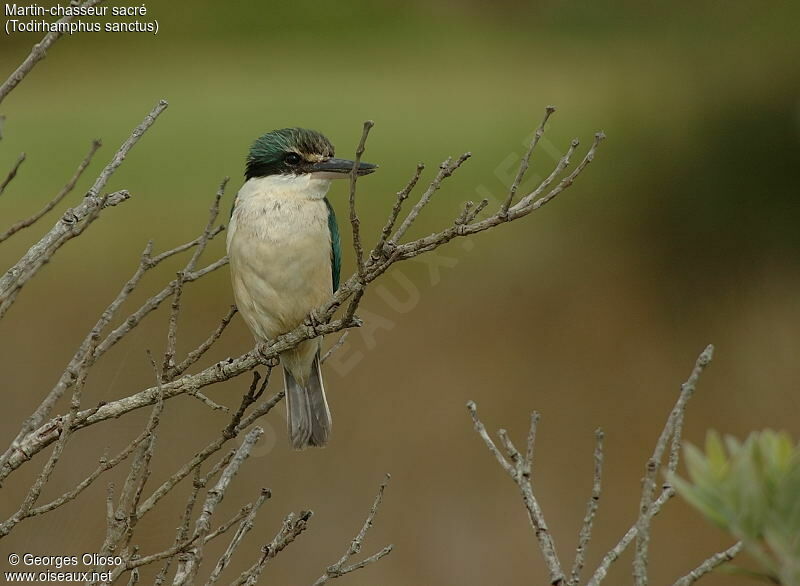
[(313, 321), (266, 356)]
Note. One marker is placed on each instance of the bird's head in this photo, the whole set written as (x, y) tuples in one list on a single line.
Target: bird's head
[(298, 151)]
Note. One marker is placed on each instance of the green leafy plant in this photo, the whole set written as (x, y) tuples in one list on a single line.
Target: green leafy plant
[(751, 489)]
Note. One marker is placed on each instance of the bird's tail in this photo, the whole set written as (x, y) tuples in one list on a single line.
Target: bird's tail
[(309, 416)]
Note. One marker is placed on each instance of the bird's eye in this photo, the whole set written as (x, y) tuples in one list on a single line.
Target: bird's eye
[(293, 158)]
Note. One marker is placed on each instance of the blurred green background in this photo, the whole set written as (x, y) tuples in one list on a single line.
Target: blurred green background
[(683, 232)]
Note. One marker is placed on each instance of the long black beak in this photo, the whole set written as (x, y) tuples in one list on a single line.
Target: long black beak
[(342, 166)]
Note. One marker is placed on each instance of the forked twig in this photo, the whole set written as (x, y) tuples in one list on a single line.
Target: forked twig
[(393, 251), (519, 468), (339, 568), (31, 220), (709, 565), (38, 53), (11, 174)]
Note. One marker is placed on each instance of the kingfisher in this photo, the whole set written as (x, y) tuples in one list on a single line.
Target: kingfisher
[(285, 259)]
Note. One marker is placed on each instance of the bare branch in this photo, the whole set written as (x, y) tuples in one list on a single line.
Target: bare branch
[(520, 474), (172, 333), (531, 443), (187, 545), (44, 476), (182, 534), (562, 164), (179, 548), (27, 222), (198, 352), (378, 251), (446, 169), (187, 569), (709, 565), (38, 53), (207, 401), (177, 285), (70, 374), (245, 526), (323, 324), (675, 421), (11, 174), (481, 429), (105, 465), (73, 222), (120, 530), (152, 304), (238, 424), (525, 161), (339, 568), (293, 526), (667, 492), (525, 206), (339, 343), (354, 221), (614, 553), (585, 534), (183, 247)]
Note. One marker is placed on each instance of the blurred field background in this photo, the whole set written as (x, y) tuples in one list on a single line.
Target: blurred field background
[(685, 231)]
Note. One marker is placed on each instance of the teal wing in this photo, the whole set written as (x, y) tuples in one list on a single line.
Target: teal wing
[(336, 246)]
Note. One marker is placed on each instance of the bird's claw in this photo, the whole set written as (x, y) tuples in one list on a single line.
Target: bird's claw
[(265, 355), (313, 321)]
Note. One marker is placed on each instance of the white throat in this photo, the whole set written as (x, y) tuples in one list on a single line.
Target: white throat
[(290, 187)]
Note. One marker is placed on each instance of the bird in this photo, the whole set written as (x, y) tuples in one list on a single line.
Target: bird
[(285, 259)]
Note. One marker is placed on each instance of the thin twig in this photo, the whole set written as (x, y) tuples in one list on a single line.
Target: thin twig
[(615, 552), (105, 465), (38, 53), (11, 174), (198, 352), (585, 535), (67, 429), (182, 533), (151, 304), (292, 526), (339, 568), (172, 331), (245, 526), (355, 224), (378, 251), (73, 222), (520, 474), (207, 401), (178, 548), (125, 517), (339, 343), (31, 220), (237, 424), (354, 221), (674, 421), (709, 565), (47, 432), (70, 374), (187, 568), (525, 161), (205, 237), (446, 169)]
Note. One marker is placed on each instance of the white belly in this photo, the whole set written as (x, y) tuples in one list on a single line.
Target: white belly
[(280, 253)]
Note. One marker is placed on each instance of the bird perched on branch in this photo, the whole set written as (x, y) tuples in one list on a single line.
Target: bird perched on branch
[(285, 257)]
